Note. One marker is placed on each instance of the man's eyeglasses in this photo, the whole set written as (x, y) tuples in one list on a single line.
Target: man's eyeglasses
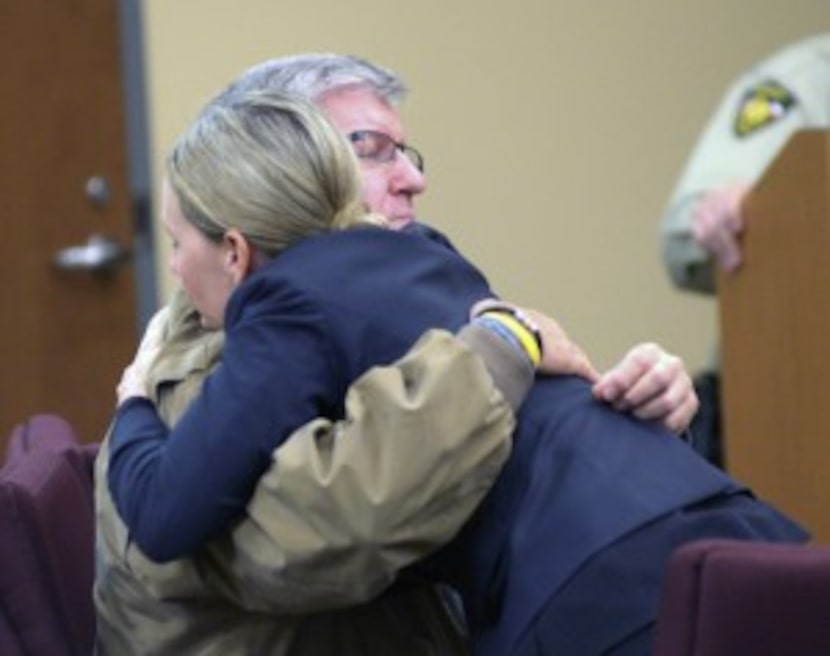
[(380, 147)]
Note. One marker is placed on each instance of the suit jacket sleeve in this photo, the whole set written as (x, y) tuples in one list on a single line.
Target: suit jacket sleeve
[(177, 488)]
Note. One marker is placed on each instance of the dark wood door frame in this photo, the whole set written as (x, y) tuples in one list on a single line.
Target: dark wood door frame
[(138, 157)]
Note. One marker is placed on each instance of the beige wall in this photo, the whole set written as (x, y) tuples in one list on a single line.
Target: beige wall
[(553, 130)]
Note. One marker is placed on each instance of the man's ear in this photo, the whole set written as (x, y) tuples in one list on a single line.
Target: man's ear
[(238, 255)]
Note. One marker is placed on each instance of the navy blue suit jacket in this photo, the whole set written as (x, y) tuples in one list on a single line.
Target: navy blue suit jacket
[(581, 475), (305, 326)]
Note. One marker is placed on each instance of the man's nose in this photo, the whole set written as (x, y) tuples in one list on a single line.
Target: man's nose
[(407, 177)]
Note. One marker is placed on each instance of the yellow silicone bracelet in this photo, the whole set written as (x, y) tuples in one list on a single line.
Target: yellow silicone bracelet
[(523, 333)]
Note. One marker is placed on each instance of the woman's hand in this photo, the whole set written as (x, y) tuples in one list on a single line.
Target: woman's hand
[(134, 379), (648, 382), (559, 354)]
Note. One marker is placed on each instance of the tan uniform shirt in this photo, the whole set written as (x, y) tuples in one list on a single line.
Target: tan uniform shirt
[(788, 91)]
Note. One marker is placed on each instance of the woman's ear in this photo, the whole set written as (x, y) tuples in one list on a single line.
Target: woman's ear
[(238, 255)]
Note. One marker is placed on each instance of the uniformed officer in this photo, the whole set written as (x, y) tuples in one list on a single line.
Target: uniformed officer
[(702, 225), (788, 91)]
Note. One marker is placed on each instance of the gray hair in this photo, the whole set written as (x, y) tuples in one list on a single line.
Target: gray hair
[(268, 164), (313, 75)]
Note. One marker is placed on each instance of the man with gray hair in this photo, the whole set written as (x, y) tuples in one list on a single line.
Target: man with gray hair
[(362, 100)]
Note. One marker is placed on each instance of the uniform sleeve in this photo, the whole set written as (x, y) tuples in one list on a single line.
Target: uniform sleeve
[(346, 506), (724, 156)]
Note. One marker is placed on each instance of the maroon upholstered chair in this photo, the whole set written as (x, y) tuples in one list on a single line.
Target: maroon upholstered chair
[(729, 598), (9, 642), (47, 534)]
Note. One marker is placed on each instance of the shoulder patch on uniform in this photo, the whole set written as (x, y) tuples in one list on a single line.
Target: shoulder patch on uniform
[(763, 104)]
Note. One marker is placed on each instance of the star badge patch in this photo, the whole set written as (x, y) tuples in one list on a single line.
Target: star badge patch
[(762, 105)]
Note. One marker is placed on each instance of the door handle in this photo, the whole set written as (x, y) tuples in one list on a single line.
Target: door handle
[(100, 254)]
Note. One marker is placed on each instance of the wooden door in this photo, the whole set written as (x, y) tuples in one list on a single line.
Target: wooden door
[(68, 305)]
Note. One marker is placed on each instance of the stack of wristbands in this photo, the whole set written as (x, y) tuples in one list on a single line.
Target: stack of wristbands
[(514, 327)]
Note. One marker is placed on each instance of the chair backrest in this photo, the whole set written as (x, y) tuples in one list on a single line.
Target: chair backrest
[(47, 535), (9, 641), (727, 597)]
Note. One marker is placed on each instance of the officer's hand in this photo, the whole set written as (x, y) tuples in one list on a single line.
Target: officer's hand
[(717, 225)]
